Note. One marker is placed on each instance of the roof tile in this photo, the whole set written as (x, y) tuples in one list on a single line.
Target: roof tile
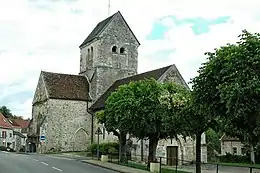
[(66, 86)]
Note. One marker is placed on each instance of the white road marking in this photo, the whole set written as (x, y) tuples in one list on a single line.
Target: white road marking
[(36, 160), (57, 169), (44, 163)]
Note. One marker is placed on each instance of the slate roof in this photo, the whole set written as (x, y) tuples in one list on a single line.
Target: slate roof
[(4, 123), (66, 86), (100, 102), (100, 27)]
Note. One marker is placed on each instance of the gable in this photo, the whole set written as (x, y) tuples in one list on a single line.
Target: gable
[(40, 94), (173, 75), (66, 86), (156, 74), (103, 25)]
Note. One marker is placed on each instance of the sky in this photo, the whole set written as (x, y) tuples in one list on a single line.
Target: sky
[(45, 35)]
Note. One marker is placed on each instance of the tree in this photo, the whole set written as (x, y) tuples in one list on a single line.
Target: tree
[(6, 112), (115, 118), (227, 90), (146, 109)]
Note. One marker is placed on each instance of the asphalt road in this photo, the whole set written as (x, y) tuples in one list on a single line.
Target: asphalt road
[(21, 163)]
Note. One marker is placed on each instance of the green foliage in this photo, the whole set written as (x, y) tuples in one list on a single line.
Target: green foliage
[(104, 148), (229, 158), (228, 87), (6, 112), (213, 143)]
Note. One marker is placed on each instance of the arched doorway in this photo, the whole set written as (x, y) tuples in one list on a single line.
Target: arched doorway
[(81, 140)]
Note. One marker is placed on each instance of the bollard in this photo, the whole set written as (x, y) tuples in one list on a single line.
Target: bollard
[(217, 168)]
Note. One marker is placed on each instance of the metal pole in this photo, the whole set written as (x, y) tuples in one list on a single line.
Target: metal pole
[(98, 147), (217, 168)]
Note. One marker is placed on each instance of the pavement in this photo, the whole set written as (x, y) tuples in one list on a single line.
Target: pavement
[(32, 163)]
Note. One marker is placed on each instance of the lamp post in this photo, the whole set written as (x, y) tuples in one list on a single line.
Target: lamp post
[(98, 132)]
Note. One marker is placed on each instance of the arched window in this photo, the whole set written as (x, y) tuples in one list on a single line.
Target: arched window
[(122, 50), (114, 49)]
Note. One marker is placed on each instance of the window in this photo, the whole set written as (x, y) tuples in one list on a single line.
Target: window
[(234, 150), (4, 134), (91, 53), (11, 135), (122, 50), (114, 49)]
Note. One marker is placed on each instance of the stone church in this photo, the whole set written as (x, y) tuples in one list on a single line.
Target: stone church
[(64, 105)]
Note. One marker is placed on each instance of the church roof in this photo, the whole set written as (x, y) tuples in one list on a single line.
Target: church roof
[(156, 74), (66, 86), (100, 27)]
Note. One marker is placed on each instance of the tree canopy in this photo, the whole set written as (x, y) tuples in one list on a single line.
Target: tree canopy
[(6, 112), (227, 88), (146, 109)]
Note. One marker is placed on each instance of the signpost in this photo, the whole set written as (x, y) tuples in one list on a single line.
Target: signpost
[(98, 132)]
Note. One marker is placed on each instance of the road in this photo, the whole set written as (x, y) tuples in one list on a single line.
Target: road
[(22, 163)]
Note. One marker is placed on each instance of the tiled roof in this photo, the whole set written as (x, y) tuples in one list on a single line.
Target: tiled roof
[(4, 123), (228, 138), (19, 123), (66, 86), (100, 27), (156, 74)]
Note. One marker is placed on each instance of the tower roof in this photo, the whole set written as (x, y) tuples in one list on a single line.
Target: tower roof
[(100, 28)]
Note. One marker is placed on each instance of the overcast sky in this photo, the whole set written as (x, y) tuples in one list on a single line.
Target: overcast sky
[(40, 35)]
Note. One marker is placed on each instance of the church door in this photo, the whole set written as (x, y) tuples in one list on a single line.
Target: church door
[(172, 155)]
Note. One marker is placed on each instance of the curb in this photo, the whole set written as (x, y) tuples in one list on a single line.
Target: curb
[(109, 168)]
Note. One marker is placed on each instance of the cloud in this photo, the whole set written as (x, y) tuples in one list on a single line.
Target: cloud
[(44, 35)]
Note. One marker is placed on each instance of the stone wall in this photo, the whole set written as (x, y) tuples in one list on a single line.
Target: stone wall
[(227, 147), (103, 67), (67, 126)]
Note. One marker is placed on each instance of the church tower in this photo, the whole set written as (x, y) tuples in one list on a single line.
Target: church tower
[(110, 52)]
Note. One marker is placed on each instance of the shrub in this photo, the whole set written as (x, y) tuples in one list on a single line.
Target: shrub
[(229, 158), (104, 148), (3, 148)]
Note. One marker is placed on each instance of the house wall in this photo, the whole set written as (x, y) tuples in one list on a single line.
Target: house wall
[(67, 126), (9, 137), (227, 147)]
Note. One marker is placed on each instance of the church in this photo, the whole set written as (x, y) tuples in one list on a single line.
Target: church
[(64, 105)]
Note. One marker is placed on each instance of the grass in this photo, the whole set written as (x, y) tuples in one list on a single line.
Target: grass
[(144, 167), (240, 165)]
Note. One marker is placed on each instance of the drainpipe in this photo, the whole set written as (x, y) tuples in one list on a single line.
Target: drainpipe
[(92, 123)]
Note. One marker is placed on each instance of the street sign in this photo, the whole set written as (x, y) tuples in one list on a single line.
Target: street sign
[(98, 132), (42, 138)]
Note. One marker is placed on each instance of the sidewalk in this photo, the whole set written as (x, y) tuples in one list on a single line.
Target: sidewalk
[(114, 167)]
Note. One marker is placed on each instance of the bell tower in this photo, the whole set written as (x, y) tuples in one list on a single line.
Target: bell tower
[(110, 52)]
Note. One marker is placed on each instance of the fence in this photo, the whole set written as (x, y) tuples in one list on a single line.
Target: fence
[(173, 165)]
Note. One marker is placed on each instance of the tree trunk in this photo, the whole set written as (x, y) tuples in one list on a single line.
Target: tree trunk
[(252, 153), (198, 152), (122, 147), (153, 142)]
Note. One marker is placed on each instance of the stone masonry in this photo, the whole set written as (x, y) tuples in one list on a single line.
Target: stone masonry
[(103, 66)]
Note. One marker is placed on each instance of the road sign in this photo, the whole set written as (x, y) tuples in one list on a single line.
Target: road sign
[(42, 138), (98, 132)]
